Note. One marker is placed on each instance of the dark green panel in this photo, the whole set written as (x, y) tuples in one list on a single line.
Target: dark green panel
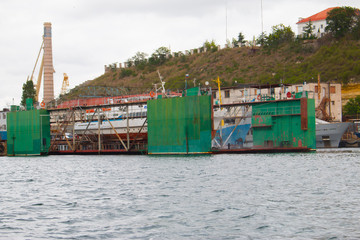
[(179, 125), (28, 132), (278, 124)]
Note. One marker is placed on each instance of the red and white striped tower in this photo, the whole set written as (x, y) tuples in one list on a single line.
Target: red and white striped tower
[(48, 65)]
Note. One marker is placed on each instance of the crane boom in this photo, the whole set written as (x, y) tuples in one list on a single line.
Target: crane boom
[(37, 59), (38, 83)]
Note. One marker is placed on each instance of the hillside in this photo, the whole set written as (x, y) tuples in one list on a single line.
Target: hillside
[(336, 61)]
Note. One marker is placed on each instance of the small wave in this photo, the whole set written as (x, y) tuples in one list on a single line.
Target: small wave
[(218, 210), (164, 195), (23, 180), (262, 227), (166, 216), (68, 222), (37, 204), (248, 216), (72, 204), (6, 227), (25, 220)]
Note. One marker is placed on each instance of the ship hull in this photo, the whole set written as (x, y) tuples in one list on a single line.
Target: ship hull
[(135, 128), (329, 135)]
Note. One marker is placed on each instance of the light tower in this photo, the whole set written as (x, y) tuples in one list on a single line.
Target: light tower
[(48, 65)]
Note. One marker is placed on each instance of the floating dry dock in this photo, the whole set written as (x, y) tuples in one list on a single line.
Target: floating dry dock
[(191, 124), (185, 126)]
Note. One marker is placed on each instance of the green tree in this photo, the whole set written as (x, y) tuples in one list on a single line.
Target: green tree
[(28, 92), (352, 107), (308, 31), (241, 39), (235, 42), (210, 46), (280, 34), (261, 40), (340, 21), (140, 60), (129, 62), (356, 29), (159, 56)]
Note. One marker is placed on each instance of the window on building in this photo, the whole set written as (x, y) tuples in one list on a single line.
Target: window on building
[(214, 94), (332, 89), (227, 94), (332, 102)]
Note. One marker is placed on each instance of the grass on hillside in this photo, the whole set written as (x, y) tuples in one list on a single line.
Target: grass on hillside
[(291, 63)]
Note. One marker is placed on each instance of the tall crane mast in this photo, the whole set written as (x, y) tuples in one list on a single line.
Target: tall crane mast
[(65, 84)]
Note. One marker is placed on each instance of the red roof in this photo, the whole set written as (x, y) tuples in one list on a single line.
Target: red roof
[(317, 17)]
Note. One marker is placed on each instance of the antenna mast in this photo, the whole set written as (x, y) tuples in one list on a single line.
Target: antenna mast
[(162, 82), (226, 22), (262, 18)]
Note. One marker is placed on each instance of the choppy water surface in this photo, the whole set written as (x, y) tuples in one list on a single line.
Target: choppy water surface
[(267, 196)]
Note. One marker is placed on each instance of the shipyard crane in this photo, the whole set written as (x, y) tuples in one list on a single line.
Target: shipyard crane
[(65, 84), (38, 82)]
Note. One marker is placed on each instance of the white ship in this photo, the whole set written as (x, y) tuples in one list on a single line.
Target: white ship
[(328, 135), (116, 121)]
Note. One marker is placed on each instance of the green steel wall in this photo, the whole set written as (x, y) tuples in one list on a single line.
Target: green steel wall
[(278, 124), (28, 132), (179, 125)]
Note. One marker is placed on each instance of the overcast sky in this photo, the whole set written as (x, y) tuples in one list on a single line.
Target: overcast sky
[(89, 34)]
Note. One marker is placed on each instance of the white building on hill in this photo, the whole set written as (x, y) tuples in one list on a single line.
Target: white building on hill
[(318, 22)]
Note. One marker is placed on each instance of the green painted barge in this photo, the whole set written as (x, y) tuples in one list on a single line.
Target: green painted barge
[(28, 131)]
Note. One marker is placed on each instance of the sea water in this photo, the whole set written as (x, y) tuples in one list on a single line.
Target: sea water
[(245, 196)]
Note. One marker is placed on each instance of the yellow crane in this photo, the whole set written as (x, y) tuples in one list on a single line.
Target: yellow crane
[(218, 83), (220, 101), (65, 84), (38, 83)]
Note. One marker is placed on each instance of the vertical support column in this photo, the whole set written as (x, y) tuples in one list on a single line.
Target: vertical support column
[(73, 131), (127, 127), (99, 138), (329, 91), (304, 113), (48, 65)]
